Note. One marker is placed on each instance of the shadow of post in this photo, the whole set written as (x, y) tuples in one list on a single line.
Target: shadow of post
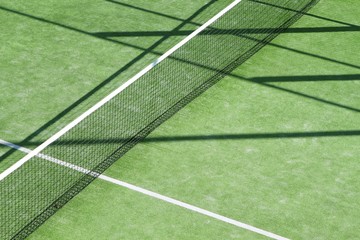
[(215, 137)]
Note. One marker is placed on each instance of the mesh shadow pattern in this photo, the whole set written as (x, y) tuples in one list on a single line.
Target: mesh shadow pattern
[(34, 192)]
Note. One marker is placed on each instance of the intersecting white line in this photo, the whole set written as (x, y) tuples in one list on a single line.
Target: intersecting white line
[(149, 193)]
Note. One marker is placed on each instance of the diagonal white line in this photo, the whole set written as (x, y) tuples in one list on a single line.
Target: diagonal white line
[(150, 193), (67, 128)]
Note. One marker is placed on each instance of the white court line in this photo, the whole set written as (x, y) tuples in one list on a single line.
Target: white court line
[(150, 193), (56, 136)]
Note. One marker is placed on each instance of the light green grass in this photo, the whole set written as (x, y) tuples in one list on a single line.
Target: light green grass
[(270, 153), (107, 211)]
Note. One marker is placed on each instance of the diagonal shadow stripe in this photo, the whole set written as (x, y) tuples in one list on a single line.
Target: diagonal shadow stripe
[(340, 78), (331, 103), (302, 52), (226, 31), (214, 137)]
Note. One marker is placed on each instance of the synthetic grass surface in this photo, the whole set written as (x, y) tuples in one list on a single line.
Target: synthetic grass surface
[(112, 212), (7, 162), (275, 146), (56, 63)]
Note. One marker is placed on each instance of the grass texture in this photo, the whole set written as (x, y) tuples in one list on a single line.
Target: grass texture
[(274, 145)]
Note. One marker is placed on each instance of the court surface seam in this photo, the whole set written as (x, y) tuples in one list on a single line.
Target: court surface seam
[(149, 193)]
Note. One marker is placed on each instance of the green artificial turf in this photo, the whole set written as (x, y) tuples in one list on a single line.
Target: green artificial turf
[(55, 58), (275, 145), (56, 64), (107, 211), (9, 160)]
